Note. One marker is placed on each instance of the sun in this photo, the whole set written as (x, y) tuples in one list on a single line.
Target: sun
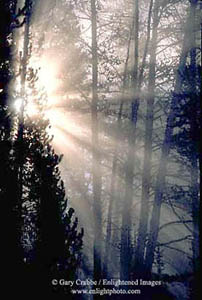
[(49, 79), (30, 109), (48, 74), (18, 104), (64, 126)]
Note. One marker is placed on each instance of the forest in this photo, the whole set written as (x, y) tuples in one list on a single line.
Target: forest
[(99, 148)]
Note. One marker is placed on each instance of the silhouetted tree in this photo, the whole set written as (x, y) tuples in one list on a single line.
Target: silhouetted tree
[(50, 236), (41, 239), (186, 141), (166, 146), (57, 245), (10, 247), (146, 176), (125, 253)]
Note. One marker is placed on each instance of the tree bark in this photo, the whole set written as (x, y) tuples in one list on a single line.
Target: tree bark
[(96, 171), (23, 66), (125, 254), (194, 173), (115, 165), (146, 177), (161, 174)]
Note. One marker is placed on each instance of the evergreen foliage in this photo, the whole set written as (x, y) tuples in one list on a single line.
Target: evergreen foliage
[(187, 122), (50, 235), (42, 240), (128, 75)]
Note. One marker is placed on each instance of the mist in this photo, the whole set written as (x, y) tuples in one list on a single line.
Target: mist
[(119, 82)]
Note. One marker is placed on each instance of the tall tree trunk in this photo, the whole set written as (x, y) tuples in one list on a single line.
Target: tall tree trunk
[(195, 211), (20, 140), (19, 148), (96, 171), (194, 173), (109, 217), (125, 254), (24, 62), (114, 166), (161, 174), (12, 253), (146, 176), (116, 233)]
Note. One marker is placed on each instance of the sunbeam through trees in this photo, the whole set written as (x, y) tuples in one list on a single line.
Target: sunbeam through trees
[(99, 148)]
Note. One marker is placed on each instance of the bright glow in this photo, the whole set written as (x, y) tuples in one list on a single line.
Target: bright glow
[(49, 77), (53, 100), (59, 119), (64, 127), (30, 108), (67, 131), (61, 141), (48, 80), (18, 104)]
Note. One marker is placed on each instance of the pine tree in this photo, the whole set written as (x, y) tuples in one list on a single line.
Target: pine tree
[(50, 236), (10, 250), (126, 240), (41, 239), (185, 141), (146, 177), (166, 146)]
